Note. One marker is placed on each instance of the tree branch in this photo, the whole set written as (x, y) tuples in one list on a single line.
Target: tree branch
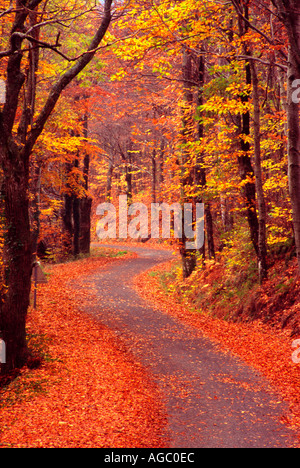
[(66, 79), (264, 62)]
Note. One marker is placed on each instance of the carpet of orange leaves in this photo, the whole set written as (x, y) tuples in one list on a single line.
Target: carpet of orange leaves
[(259, 345), (88, 392)]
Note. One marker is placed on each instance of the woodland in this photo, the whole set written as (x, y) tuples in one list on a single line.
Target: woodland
[(164, 101)]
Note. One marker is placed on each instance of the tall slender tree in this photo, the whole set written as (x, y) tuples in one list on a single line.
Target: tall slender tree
[(289, 13)]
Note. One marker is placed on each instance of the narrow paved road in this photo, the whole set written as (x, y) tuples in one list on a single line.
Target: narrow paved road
[(212, 399)]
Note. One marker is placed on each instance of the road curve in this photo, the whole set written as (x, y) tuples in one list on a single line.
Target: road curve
[(212, 399)]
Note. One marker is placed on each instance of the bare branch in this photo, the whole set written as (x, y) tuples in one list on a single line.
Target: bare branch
[(264, 62)]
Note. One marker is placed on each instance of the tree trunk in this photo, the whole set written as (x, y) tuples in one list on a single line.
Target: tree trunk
[(77, 223), (128, 178), (153, 184), (247, 176), (209, 232), (188, 257), (262, 212), (76, 216), (17, 259), (200, 172), (86, 202), (109, 181), (290, 16), (67, 216), (85, 224), (161, 163), (294, 148), (244, 161)]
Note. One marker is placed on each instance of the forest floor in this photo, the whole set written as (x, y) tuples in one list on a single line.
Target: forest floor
[(89, 395), (87, 392)]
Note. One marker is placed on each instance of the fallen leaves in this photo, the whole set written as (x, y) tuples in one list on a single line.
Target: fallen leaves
[(257, 344), (88, 391)]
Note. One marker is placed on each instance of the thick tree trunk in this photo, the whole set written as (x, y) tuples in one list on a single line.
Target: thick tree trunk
[(290, 16), (17, 259), (294, 147)]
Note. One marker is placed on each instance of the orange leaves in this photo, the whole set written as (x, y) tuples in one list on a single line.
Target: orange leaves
[(262, 346), (87, 393)]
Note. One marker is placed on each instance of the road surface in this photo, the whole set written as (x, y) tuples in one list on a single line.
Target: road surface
[(212, 399)]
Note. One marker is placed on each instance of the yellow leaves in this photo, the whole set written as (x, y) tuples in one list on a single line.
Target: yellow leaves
[(222, 105), (61, 145), (280, 212), (275, 236), (165, 26), (238, 89), (119, 75), (47, 69), (276, 183)]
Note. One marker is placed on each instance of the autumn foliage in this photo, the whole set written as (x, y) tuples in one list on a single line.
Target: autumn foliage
[(265, 344), (86, 391), (164, 101)]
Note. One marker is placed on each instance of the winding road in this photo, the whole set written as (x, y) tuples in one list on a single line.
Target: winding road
[(212, 399)]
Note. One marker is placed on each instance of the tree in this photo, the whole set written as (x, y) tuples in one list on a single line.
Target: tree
[(189, 259), (15, 151), (262, 212), (289, 14), (244, 160)]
